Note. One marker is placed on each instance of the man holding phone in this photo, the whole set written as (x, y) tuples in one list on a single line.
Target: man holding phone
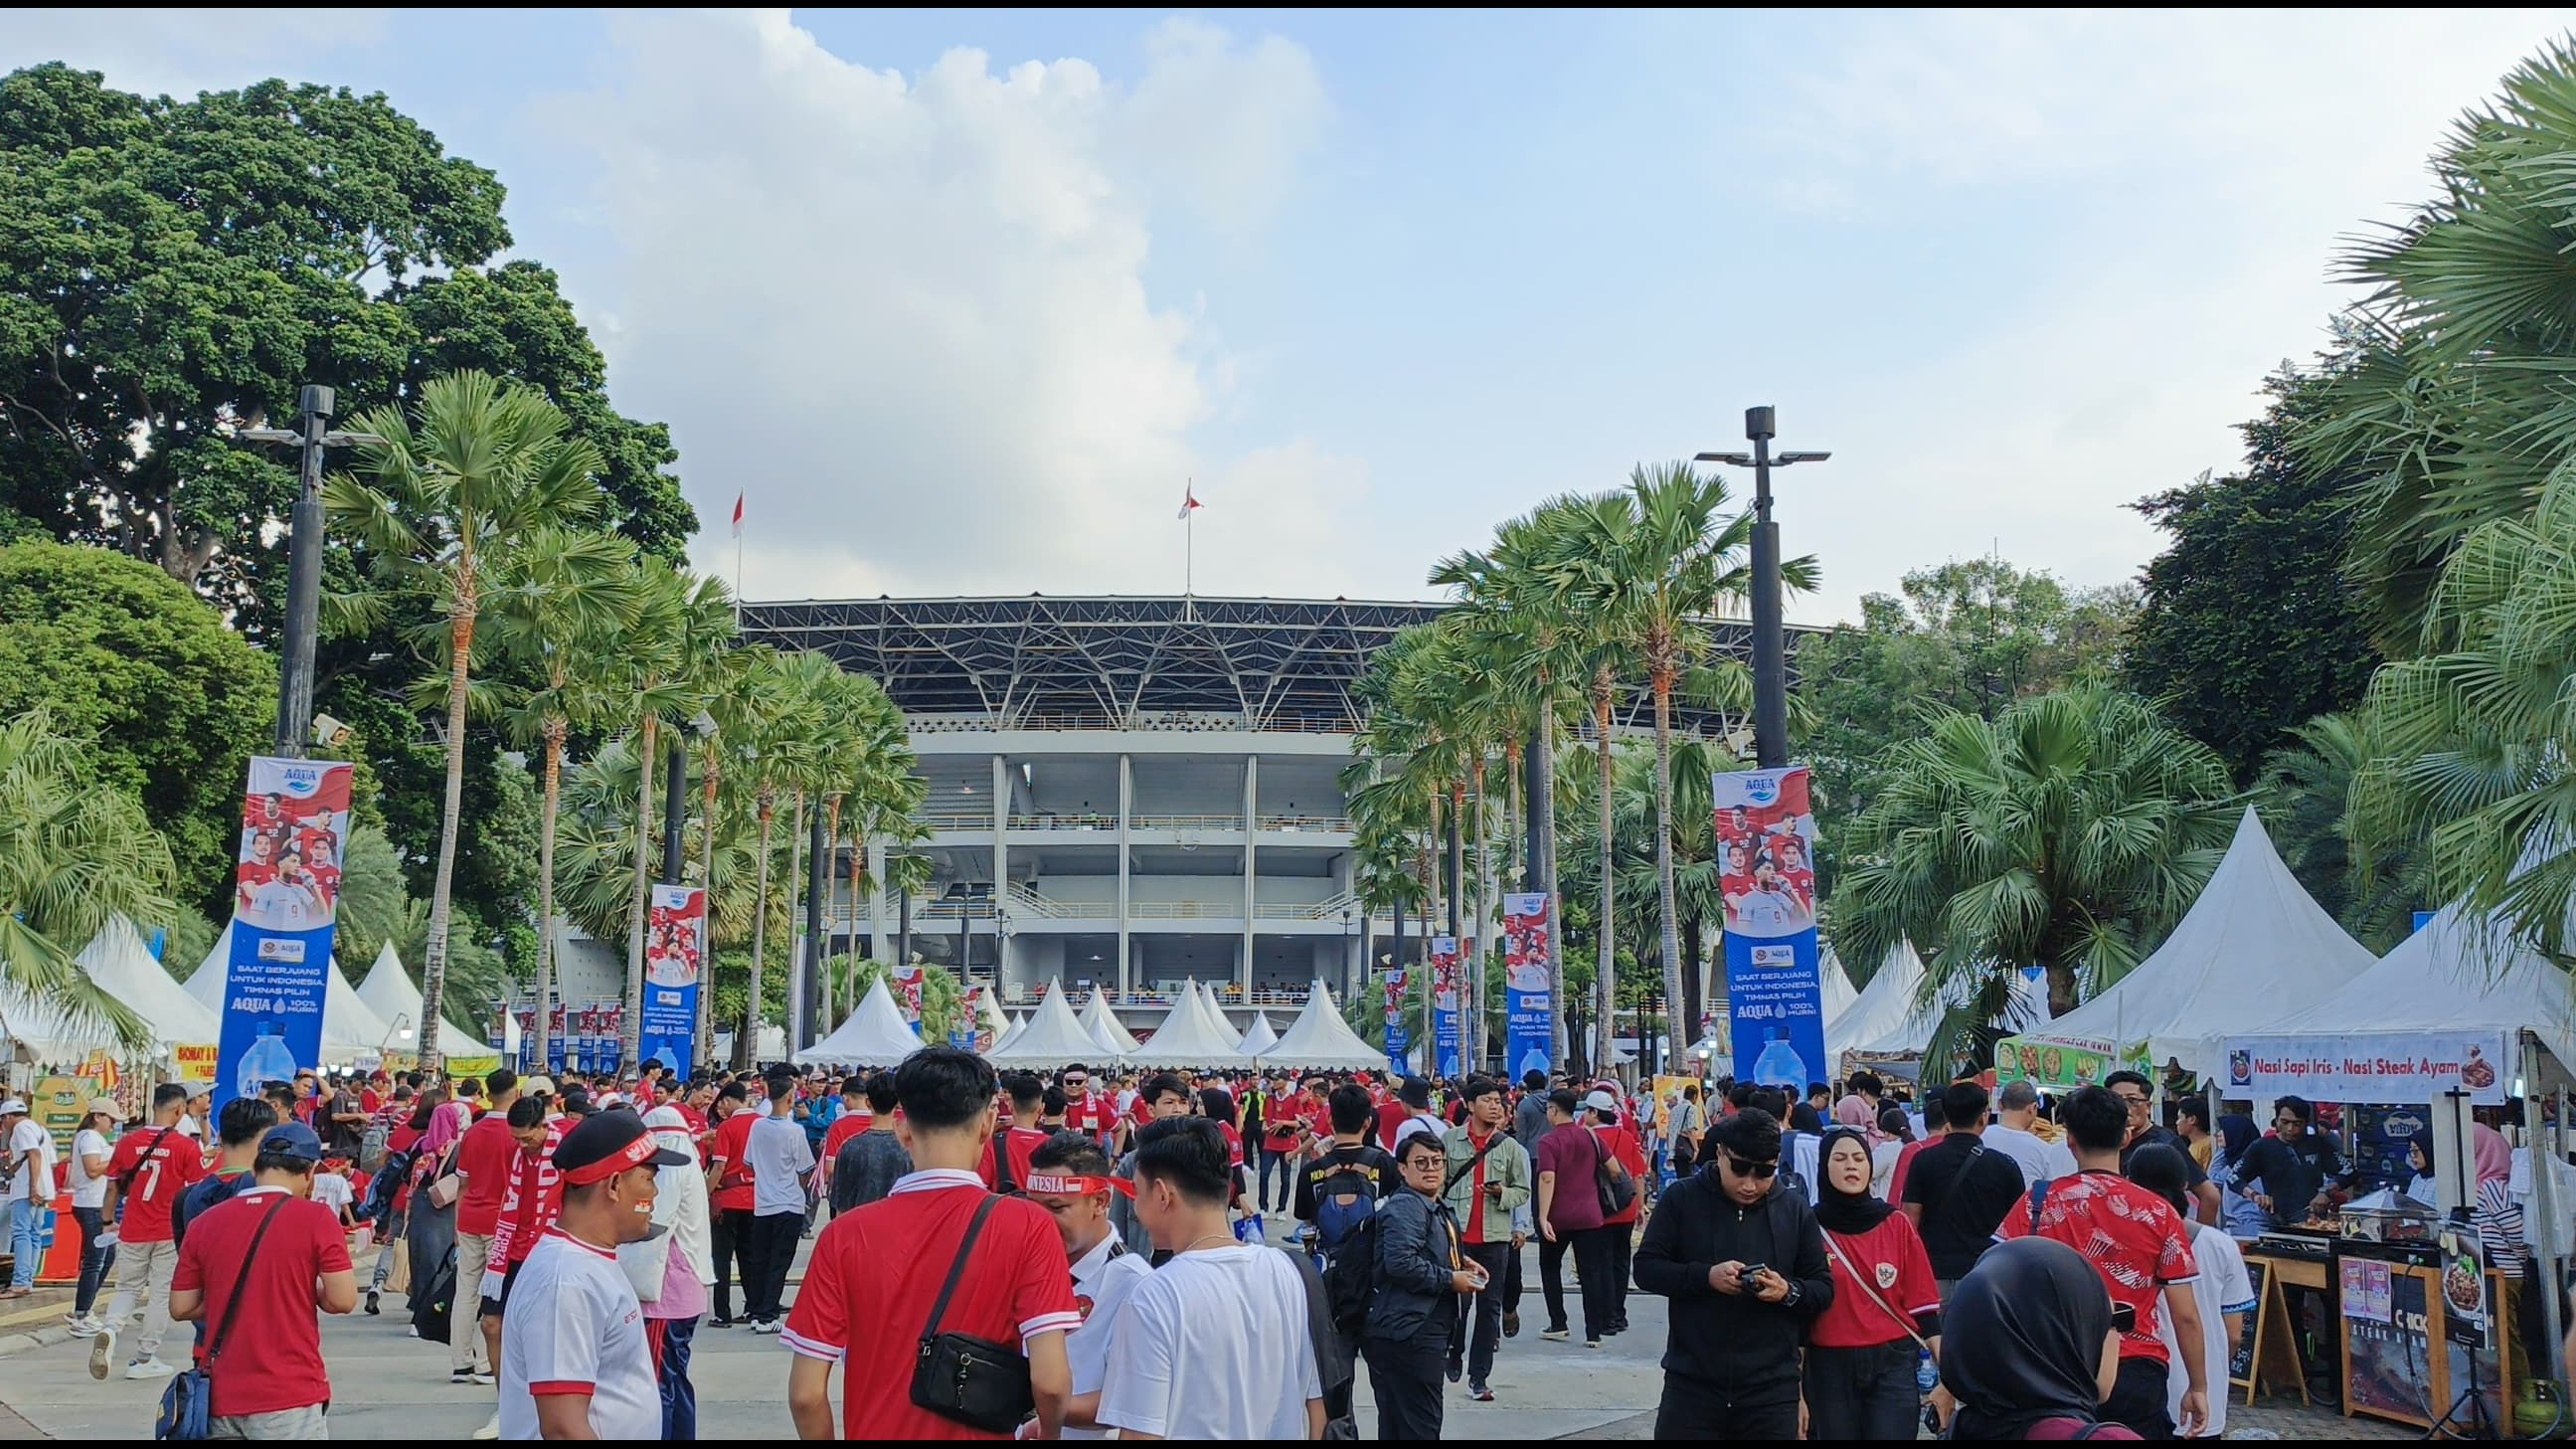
[(1488, 1177)]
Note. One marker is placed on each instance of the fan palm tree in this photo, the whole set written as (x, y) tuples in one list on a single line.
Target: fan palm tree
[(452, 487), (74, 852), (2069, 833)]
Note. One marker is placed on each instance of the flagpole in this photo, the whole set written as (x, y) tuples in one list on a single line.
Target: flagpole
[(737, 566), (1189, 549)]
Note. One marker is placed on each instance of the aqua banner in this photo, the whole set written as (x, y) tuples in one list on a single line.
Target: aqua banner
[(1766, 853), (1398, 1041), (675, 949), (1528, 1003), (1448, 1016), (286, 894)]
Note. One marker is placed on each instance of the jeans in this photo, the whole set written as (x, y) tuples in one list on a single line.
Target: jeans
[(1404, 1377), (144, 1270), (93, 1259), (729, 1233), (679, 1396), (1480, 1329), (1285, 1166), (23, 1247), (389, 1234), (465, 1347), (1591, 1249), (767, 1251), (1695, 1409), (1862, 1393)]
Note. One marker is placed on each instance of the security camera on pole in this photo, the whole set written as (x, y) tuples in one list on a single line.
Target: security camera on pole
[(313, 405)]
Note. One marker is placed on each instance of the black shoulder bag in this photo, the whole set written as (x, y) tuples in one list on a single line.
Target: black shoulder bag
[(1618, 1191), (187, 1404), (972, 1381)]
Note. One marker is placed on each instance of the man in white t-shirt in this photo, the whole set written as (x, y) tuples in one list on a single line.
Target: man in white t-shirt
[(779, 1156), (1214, 1344), (575, 1362), (1070, 1177), (30, 1168), (2224, 1292), (2016, 1111)]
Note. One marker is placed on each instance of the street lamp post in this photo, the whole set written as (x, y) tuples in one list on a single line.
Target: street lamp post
[(313, 404), (1770, 664)]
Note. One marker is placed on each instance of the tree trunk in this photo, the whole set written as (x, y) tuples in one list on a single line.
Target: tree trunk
[(1694, 1009), (759, 939), (555, 729), (903, 925), (2061, 989), (1477, 1045), (698, 1037), (1427, 859), (1606, 982), (1542, 864), (1674, 995), (442, 896), (631, 1022)]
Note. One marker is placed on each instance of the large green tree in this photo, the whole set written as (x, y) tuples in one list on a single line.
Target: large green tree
[(2249, 626), (170, 700)]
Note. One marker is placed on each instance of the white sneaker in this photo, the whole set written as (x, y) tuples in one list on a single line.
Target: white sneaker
[(766, 1325), (492, 1428), (102, 1351), (83, 1325), (149, 1368)]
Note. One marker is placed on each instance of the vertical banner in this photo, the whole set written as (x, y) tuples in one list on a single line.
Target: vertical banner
[(1765, 843), (1528, 1007), (286, 892), (558, 1040), (964, 1034), (1448, 1022), (907, 995), (675, 945), (1398, 1041)]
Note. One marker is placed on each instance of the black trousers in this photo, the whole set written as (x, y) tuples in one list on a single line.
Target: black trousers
[(1480, 1328), (769, 1249), (1862, 1393), (2138, 1399), (1591, 1249), (1692, 1409), (1622, 1238), (1404, 1376), (1512, 1284), (728, 1233)]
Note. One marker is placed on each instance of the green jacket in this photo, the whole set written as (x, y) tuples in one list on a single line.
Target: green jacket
[(1508, 1164)]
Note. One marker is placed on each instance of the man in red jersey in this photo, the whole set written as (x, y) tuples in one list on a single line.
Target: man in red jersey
[(1091, 1113), (1027, 1096), (149, 1169), (854, 1119), (268, 1382), (530, 1206), (877, 1270), (485, 1157), (730, 1194)]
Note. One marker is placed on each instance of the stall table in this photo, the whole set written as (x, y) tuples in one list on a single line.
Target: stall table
[(2404, 1370)]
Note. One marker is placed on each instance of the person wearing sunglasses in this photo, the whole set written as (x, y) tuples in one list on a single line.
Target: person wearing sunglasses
[(1745, 1268)]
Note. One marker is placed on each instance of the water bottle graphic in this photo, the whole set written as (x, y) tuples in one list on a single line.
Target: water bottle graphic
[(1779, 1064), (1533, 1060), (268, 1060)]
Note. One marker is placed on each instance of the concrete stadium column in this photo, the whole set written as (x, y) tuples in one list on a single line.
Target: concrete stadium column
[(1251, 799), (1126, 808), (1001, 861)]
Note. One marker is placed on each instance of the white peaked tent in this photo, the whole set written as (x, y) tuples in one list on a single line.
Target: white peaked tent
[(1010, 1033), (1053, 1037), (1319, 1039), (1104, 1026), (2459, 973), (875, 1035), (388, 993), (2253, 948), (350, 1030), (1881, 1007), (1835, 993), (989, 1018), (1259, 1038), (1195, 1034), (2027, 1009), (124, 969)]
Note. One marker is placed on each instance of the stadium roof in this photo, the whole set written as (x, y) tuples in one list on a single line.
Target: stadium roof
[(1036, 662)]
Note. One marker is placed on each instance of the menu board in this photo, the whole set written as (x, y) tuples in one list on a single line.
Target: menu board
[(2389, 1369), (2380, 1137), (2240, 1362)]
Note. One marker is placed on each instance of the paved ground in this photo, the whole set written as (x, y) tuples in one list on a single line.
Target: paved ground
[(391, 1386)]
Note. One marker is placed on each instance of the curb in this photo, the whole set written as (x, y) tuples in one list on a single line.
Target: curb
[(14, 1343)]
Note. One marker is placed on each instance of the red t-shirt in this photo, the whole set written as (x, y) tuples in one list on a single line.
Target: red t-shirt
[(273, 1356), (1024, 1143), (162, 1164), (1233, 1143), (487, 1154), (843, 1128), (877, 1269), (1630, 1154), (1390, 1116), (733, 1179), (1471, 1224), (1094, 1114), (1904, 1160), (1900, 1272), (2131, 1236)]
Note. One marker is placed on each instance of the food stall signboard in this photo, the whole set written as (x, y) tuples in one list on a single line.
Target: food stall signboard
[(2056, 1062), (2389, 1067)]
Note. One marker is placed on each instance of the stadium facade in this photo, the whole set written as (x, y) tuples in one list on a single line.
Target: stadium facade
[(1125, 794)]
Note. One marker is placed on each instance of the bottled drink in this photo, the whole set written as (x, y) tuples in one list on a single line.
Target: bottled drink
[(1779, 1064)]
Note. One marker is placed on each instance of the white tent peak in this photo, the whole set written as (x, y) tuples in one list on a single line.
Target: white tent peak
[(1885, 1004), (2461, 972), (1320, 1039), (388, 993), (1104, 1026), (874, 1035), (1052, 1037), (350, 1029), (1260, 1037), (989, 1018), (1194, 1034)]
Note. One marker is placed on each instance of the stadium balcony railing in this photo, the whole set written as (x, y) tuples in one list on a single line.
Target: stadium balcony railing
[(1208, 723)]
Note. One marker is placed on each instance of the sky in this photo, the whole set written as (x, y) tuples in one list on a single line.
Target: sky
[(961, 302)]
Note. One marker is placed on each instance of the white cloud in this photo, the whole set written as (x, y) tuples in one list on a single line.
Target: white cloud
[(182, 52), (908, 314)]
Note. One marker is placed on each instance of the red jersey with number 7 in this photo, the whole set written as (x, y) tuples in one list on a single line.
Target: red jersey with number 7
[(155, 1167)]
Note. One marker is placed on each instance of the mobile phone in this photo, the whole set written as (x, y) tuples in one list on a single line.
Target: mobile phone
[(1750, 1271), (2124, 1317)]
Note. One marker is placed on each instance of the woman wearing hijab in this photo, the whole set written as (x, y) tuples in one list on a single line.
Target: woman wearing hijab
[(2238, 1213), (686, 1273), (2032, 1352), (1853, 1112), (1858, 1382)]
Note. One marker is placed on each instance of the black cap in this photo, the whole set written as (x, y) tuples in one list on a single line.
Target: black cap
[(609, 1143)]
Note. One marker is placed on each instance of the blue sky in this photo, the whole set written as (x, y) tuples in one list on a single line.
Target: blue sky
[(960, 298)]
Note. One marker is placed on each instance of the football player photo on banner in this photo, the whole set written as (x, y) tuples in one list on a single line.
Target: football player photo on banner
[(1447, 1019), (286, 897), (1766, 873), (1398, 1040), (1527, 977), (675, 946)]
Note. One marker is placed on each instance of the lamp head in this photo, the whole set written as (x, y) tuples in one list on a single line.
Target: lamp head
[(1759, 423)]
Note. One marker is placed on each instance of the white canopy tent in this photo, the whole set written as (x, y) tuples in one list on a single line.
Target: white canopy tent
[(1882, 1006), (388, 993), (1195, 1034), (1010, 1033), (2026, 1010), (1834, 990), (1104, 1026), (1321, 1040), (874, 1035), (1052, 1037), (990, 1025), (1259, 1038), (122, 966), (350, 1030), (2254, 947)]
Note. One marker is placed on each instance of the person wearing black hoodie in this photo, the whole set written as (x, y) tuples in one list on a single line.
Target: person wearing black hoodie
[(1731, 1351)]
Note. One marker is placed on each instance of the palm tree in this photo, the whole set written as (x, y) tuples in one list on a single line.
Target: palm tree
[(476, 468), (565, 597), (74, 852), (2069, 833)]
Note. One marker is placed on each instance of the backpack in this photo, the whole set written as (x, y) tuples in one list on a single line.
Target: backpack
[(1345, 1202), (1350, 1276)]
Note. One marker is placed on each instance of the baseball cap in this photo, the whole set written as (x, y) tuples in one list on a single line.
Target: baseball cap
[(539, 1085), (608, 1143), (1601, 1101), (12, 1108), (107, 1105), (291, 1140)]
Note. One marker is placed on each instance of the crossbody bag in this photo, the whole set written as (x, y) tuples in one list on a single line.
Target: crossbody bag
[(1904, 1321), (187, 1404), (1610, 1178), (969, 1380)]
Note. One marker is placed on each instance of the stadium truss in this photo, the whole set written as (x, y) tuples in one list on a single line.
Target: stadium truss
[(1125, 663)]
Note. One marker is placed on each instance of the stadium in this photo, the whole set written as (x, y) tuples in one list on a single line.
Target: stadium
[(1126, 794)]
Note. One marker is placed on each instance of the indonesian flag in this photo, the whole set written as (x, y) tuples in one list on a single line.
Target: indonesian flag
[(737, 514), (1189, 500)]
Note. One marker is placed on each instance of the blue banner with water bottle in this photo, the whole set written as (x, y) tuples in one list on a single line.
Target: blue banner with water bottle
[(1398, 1040), (675, 952), (1529, 1035), (1448, 1019), (286, 895), (1766, 869)]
